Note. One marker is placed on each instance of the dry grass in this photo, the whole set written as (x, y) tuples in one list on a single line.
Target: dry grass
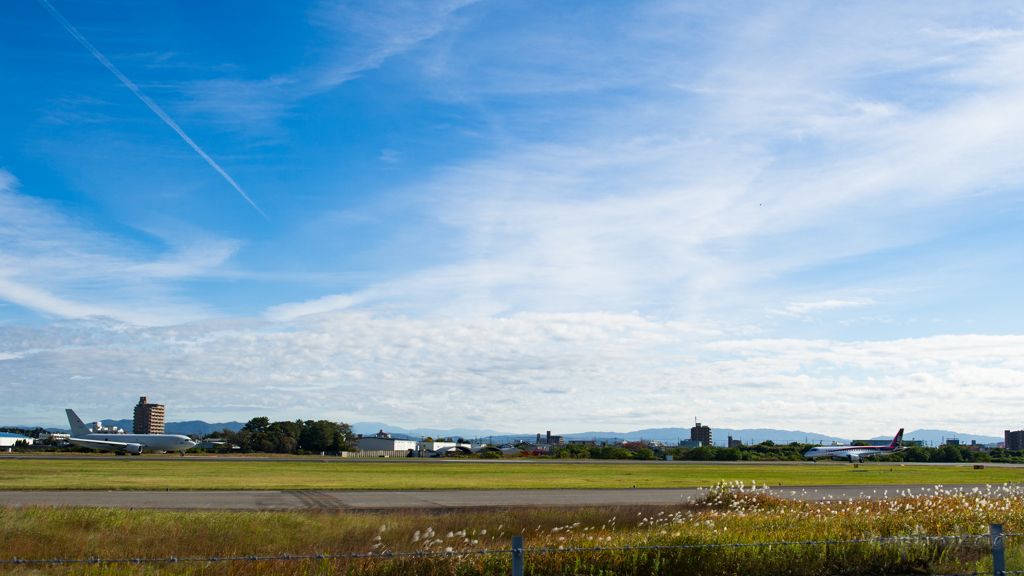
[(724, 517)]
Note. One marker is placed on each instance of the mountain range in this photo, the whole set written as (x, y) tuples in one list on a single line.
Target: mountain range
[(673, 435), (666, 435)]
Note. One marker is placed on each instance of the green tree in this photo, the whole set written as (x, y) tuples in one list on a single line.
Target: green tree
[(701, 453), (611, 453), (947, 454), (284, 436), (728, 454), (644, 454), (257, 425), (325, 436), (572, 451)]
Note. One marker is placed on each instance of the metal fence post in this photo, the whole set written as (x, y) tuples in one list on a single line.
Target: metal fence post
[(998, 557), (517, 556)]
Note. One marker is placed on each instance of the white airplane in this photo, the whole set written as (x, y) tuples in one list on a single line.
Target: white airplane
[(127, 443), (858, 453)]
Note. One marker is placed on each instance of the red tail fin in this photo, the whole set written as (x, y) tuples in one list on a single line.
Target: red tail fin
[(898, 440)]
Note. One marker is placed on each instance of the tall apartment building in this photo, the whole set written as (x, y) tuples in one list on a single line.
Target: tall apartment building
[(149, 418), (1014, 440), (701, 434)]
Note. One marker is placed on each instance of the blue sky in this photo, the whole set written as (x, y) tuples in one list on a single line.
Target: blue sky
[(516, 216)]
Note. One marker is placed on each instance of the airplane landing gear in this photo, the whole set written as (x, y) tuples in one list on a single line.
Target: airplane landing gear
[(183, 453), (815, 460)]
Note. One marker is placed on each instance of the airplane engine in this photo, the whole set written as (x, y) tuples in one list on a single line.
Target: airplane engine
[(133, 449)]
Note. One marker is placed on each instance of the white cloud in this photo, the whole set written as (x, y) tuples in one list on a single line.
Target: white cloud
[(326, 304), (801, 139), (802, 309), (612, 371), (51, 263)]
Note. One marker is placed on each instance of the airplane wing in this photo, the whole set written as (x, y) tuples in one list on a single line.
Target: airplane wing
[(106, 445)]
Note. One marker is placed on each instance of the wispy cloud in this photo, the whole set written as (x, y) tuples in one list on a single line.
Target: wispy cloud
[(356, 37), (773, 168), (148, 102), (51, 264), (801, 309)]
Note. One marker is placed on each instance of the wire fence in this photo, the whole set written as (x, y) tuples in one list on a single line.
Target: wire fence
[(995, 537)]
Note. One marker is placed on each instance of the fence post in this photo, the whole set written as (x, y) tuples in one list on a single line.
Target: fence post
[(998, 558), (517, 556)]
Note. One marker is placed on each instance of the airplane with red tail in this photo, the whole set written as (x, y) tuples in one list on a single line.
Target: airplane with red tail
[(856, 453)]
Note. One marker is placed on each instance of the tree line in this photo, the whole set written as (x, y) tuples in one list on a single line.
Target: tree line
[(769, 451), (298, 437)]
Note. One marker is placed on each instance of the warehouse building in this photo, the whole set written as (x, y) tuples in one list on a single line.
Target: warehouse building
[(383, 441), (8, 439)]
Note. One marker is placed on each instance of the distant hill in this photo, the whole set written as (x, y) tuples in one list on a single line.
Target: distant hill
[(937, 437), (667, 435), (190, 427), (368, 428), (718, 435)]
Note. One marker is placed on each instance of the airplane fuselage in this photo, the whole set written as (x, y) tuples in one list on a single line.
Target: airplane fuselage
[(151, 442), (126, 443), (856, 453), (849, 453)]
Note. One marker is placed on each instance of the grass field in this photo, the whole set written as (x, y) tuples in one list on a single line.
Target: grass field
[(723, 518), (285, 474)]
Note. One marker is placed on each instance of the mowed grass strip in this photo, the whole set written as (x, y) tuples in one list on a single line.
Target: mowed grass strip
[(194, 474)]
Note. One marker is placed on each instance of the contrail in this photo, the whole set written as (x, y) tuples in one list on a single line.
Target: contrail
[(152, 105)]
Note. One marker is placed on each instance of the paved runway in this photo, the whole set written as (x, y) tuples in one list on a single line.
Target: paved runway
[(429, 499)]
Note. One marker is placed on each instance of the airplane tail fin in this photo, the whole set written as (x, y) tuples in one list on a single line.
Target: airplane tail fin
[(898, 440), (78, 428)]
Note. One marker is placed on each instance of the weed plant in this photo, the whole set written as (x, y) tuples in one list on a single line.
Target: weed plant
[(574, 537)]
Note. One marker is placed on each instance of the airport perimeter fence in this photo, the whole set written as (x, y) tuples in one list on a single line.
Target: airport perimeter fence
[(995, 538)]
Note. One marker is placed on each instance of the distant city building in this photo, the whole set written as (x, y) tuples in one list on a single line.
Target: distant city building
[(1014, 440), (735, 443), (870, 442), (701, 434), (549, 439), (952, 441), (99, 428), (149, 418), (689, 443), (906, 443)]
